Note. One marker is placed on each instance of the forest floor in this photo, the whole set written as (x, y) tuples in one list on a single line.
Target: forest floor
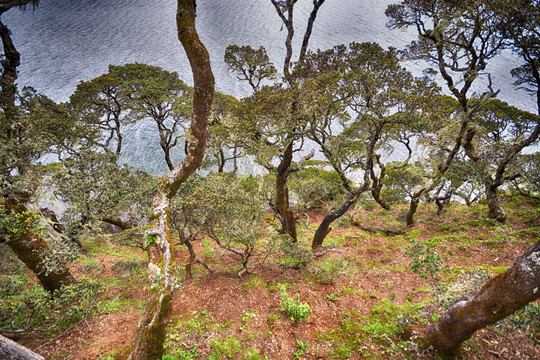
[(360, 289)]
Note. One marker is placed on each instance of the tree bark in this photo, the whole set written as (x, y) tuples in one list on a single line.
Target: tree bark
[(499, 297), (495, 211), (152, 326), (412, 210), (324, 227), (10, 350), (288, 221)]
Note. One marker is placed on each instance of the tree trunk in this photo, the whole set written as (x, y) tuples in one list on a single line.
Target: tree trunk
[(495, 211), (152, 326), (288, 221), (324, 228), (29, 248), (412, 210), (499, 297), (10, 350)]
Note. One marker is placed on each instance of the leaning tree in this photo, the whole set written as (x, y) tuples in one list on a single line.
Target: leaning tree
[(30, 126)]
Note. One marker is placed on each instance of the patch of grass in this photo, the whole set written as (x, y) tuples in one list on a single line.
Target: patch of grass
[(327, 270), (225, 348), (117, 304), (254, 282), (381, 326)]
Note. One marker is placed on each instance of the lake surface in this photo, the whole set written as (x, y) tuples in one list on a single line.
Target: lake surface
[(64, 42)]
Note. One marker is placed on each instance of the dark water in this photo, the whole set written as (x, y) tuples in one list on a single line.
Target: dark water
[(64, 42)]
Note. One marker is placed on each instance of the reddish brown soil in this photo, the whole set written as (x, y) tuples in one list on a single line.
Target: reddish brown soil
[(381, 273)]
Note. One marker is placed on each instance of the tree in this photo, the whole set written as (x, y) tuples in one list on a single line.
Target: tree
[(31, 126), (160, 247), (254, 67), (386, 103), (528, 181), (159, 95), (458, 39), (101, 102), (96, 188), (130, 93), (226, 142), (500, 133), (41, 127)]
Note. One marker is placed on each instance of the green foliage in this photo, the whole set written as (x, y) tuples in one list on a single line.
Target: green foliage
[(426, 261), (333, 297), (400, 183), (126, 268), (316, 187), (97, 189), (35, 308), (249, 64), (40, 127), (294, 254), (179, 354), (528, 320), (295, 310), (13, 224)]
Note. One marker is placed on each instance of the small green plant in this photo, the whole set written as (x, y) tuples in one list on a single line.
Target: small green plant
[(254, 354), (295, 310), (303, 347), (426, 261), (295, 255), (333, 297)]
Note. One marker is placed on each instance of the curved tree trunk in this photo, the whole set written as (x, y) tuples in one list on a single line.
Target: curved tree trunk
[(28, 249), (324, 228), (499, 297), (9, 349), (152, 326)]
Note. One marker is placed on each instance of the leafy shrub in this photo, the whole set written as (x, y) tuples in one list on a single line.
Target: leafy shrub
[(126, 267), (36, 309), (225, 209), (295, 255), (426, 261), (315, 187)]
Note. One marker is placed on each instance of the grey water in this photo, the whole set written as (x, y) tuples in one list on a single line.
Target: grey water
[(64, 42)]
